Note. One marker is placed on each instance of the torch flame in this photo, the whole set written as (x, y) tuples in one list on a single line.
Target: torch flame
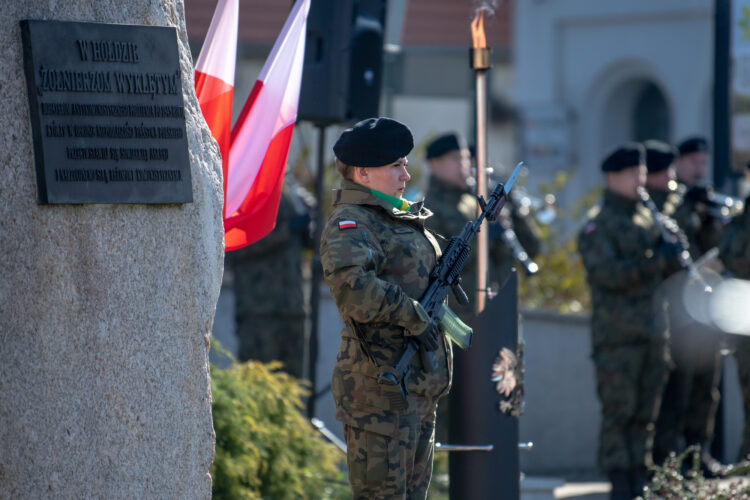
[(477, 30)]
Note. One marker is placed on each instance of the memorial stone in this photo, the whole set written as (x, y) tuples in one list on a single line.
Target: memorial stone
[(107, 294)]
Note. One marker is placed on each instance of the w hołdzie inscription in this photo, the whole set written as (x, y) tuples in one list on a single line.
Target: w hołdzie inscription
[(107, 114)]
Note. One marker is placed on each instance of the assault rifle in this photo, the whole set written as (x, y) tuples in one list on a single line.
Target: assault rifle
[(443, 278)]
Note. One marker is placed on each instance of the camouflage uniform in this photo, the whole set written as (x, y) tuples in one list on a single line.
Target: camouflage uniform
[(624, 267), (735, 254), (696, 348), (376, 260), (269, 300)]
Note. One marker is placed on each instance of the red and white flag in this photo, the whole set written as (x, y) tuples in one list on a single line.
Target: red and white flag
[(260, 139), (214, 75)]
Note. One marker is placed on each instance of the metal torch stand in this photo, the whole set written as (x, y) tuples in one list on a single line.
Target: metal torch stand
[(475, 415)]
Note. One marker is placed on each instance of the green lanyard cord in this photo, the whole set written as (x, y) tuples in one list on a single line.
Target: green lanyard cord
[(398, 203)]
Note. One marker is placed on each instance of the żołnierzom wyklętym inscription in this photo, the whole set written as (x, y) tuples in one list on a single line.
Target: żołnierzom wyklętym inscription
[(107, 114)]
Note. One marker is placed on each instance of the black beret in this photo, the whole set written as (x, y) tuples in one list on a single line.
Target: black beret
[(659, 155), (374, 142), (693, 145), (444, 144), (630, 154)]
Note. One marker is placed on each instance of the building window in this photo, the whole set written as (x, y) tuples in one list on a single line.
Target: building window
[(651, 115)]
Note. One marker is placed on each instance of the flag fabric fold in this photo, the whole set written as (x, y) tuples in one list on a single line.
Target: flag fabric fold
[(214, 75), (260, 139)]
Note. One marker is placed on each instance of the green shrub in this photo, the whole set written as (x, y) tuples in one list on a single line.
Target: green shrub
[(680, 478), (265, 447), (560, 284), (439, 485)]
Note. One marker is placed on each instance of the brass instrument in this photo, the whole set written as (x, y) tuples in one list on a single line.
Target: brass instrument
[(544, 208), (508, 235), (714, 203)]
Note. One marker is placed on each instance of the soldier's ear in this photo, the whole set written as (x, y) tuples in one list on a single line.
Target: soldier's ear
[(362, 173)]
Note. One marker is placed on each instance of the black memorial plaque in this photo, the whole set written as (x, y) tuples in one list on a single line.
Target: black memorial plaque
[(107, 115)]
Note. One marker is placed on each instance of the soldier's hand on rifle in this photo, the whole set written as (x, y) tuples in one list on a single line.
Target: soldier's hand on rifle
[(429, 337)]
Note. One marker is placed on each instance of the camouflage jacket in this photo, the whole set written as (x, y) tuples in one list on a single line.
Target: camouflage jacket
[(453, 207), (702, 230), (268, 274), (623, 269), (735, 245), (377, 260)]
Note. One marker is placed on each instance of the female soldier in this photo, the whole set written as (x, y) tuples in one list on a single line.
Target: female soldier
[(377, 258)]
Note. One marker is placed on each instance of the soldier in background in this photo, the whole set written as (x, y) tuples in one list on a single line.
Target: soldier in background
[(663, 189), (625, 260), (701, 361), (661, 180), (268, 287), (735, 254), (450, 195), (377, 258), (701, 227)]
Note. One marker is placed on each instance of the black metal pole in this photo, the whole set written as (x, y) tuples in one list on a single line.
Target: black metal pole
[(317, 275), (722, 156)]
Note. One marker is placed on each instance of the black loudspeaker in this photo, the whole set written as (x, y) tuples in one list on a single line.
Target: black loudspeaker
[(343, 67)]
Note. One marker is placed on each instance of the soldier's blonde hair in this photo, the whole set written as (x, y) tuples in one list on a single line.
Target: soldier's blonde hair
[(346, 171)]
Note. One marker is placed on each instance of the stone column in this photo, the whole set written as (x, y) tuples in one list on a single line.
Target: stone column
[(105, 309)]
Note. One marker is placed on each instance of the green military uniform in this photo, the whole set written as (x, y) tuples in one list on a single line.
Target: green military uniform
[(268, 289), (377, 260), (619, 249), (696, 348), (735, 254)]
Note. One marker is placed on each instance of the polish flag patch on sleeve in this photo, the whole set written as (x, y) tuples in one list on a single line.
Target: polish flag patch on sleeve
[(347, 224)]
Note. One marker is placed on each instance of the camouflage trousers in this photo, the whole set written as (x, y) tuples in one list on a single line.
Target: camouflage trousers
[(630, 380), (742, 354), (395, 466), (273, 338)]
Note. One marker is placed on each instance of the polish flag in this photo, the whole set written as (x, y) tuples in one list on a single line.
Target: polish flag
[(214, 75), (260, 138)]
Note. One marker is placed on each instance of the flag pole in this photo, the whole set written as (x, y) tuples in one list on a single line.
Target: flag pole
[(317, 275)]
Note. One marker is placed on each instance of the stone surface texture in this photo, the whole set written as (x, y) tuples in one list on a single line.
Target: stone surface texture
[(105, 310)]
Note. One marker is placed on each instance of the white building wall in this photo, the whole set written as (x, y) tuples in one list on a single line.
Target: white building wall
[(589, 56)]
